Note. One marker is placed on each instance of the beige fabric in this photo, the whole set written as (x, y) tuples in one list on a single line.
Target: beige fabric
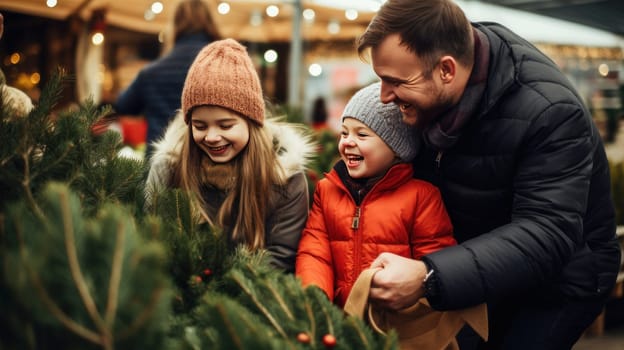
[(418, 326)]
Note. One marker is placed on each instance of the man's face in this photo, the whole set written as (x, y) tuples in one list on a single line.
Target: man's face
[(421, 98)]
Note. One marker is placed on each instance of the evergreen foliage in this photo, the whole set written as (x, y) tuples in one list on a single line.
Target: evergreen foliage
[(327, 155), (46, 146), (75, 281), (255, 301), (85, 266), (196, 252)]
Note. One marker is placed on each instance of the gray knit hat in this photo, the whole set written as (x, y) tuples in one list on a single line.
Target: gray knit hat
[(385, 120)]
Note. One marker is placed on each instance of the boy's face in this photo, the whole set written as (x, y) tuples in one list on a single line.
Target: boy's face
[(364, 153)]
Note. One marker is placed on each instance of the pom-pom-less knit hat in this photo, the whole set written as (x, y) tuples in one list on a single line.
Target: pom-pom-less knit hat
[(385, 120), (223, 75)]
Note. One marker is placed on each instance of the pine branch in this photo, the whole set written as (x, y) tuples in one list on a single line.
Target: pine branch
[(30, 198), (108, 265), (223, 323), (115, 278), (47, 300), (311, 322), (238, 277), (280, 301), (142, 318), (74, 267), (289, 310)]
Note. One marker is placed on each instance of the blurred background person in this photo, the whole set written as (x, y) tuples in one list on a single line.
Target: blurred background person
[(319, 114), (156, 91), (13, 102)]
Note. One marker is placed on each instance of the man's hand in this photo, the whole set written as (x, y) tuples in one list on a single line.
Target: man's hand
[(399, 283)]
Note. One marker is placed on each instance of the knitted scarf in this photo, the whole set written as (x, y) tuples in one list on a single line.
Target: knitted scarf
[(446, 131), (220, 176)]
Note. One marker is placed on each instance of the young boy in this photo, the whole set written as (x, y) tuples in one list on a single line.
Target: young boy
[(369, 203)]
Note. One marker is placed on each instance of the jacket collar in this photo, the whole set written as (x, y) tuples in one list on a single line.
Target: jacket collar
[(445, 132), (503, 67), (394, 177)]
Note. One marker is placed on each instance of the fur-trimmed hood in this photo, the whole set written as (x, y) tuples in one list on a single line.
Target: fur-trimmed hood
[(295, 145), (15, 100)]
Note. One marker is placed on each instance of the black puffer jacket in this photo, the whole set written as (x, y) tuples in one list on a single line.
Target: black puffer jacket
[(527, 188)]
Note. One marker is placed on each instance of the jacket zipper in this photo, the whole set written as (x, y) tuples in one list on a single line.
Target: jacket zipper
[(355, 223), (438, 160), (357, 242)]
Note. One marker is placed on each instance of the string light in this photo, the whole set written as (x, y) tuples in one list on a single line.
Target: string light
[(149, 15), (157, 7), (15, 58), (351, 14), (272, 11), (309, 14), (270, 56), (315, 69), (98, 26), (97, 38), (223, 8), (333, 27), (603, 69)]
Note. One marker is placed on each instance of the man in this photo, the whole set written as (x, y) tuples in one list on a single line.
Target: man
[(521, 168)]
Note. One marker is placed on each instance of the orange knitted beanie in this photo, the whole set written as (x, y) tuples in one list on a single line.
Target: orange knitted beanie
[(223, 75)]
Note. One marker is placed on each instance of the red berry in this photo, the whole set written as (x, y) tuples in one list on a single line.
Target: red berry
[(198, 279), (329, 340), (207, 272), (303, 338)]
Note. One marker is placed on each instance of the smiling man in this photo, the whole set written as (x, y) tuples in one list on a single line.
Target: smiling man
[(521, 168)]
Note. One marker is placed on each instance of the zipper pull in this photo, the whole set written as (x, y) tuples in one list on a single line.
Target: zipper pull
[(438, 159), (356, 219)]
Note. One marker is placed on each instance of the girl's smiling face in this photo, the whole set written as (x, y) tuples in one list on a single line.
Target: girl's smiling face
[(365, 154), (221, 133)]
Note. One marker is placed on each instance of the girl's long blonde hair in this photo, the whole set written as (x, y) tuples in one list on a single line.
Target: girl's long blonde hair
[(257, 171)]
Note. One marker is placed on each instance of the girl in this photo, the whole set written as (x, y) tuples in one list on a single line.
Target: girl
[(244, 173)]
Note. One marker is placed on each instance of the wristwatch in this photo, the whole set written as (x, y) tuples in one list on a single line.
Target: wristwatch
[(430, 282)]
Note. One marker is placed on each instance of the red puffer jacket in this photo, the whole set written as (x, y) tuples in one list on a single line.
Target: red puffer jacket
[(400, 215)]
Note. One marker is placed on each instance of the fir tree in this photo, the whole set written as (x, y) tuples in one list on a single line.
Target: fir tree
[(46, 146), (75, 281)]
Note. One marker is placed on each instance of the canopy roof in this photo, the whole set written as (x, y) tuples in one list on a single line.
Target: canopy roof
[(582, 22), (607, 15), (129, 14)]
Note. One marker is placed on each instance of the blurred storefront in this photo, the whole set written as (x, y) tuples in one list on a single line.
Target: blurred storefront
[(596, 72), (329, 67)]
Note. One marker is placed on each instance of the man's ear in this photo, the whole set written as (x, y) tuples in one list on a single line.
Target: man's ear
[(448, 68)]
